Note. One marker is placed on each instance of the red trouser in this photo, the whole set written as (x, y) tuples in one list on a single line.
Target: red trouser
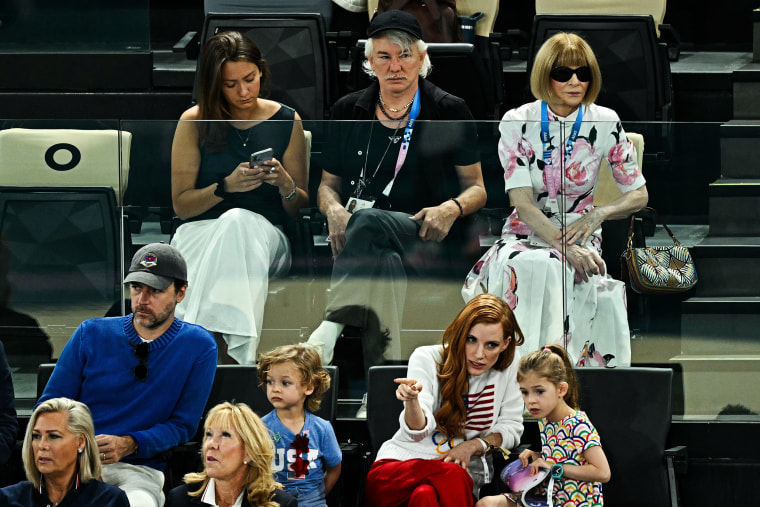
[(418, 483)]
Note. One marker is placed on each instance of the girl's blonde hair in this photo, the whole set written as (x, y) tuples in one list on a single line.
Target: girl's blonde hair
[(568, 50), (552, 363), (79, 422), (306, 360), (259, 449), (452, 370)]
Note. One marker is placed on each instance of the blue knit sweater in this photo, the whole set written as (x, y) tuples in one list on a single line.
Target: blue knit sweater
[(95, 367)]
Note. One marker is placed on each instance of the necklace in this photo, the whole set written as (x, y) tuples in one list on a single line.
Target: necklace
[(392, 109), (248, 134), (369, 141), (395, 118)]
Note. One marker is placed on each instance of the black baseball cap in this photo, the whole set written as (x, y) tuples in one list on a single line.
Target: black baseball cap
[(395, 20), (157, 265)]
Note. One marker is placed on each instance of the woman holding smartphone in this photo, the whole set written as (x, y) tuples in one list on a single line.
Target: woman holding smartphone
[(233, 212)]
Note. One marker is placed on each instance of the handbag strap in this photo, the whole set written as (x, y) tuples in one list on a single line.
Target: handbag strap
[(657, 220)]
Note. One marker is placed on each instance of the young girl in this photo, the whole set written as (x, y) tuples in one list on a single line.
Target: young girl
[(308, 457), (570, 446)]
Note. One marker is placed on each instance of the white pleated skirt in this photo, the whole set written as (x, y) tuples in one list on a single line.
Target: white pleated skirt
[(229, 262), (530, 280)]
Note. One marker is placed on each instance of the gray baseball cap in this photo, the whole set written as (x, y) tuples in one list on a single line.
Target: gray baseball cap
[(157, 265)]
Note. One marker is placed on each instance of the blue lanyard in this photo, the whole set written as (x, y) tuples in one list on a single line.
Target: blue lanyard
[(405, 142), (546, 140)]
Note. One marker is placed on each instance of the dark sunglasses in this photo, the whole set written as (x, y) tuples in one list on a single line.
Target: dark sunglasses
[(564, 74), (141, 370)]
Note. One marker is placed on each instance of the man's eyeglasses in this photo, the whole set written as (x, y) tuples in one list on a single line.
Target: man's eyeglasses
[(564, 74), (141, 370)]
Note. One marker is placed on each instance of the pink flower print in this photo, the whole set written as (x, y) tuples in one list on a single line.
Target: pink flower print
[(509, 295), (514, 152), (510, 165), (585, 203), (516, 226), (525, 149), (576, 174), (618, 157)]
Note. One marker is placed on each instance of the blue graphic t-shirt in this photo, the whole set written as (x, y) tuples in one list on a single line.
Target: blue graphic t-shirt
[(299, 459)]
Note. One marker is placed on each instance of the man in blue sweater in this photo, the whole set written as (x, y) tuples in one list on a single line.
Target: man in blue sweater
[(145, 377)]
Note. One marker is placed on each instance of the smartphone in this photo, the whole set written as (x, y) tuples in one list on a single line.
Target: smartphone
[(262, 156)]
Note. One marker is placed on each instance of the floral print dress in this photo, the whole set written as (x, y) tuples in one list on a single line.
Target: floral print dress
[(525, 271)]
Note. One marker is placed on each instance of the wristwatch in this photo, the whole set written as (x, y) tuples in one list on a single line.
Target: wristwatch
[(219, 191), (556, 471)]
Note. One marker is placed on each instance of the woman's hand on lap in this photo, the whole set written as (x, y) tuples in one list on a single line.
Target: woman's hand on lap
[(583, 228), (586, 262), (462, 453)]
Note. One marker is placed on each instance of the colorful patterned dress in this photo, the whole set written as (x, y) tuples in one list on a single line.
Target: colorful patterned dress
[(564, 442)]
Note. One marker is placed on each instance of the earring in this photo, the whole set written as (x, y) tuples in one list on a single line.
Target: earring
[(80, 451), (245, 462)]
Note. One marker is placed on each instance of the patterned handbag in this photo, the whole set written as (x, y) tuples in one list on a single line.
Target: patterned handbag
[(659, 269)]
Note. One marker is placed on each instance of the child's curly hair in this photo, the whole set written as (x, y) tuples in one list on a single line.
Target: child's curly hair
[(306, 360)]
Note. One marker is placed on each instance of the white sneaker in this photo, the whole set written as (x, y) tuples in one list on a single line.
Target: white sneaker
[(362, 412)]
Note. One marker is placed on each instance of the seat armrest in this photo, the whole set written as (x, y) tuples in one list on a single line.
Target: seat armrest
[(670, 36), (676, 461), (678, 455), (188, 44)]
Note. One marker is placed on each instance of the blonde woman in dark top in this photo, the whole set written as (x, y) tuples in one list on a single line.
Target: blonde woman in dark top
[(61, 461)]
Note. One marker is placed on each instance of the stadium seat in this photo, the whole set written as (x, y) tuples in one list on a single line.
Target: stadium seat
[(304, 71), (631, 409)]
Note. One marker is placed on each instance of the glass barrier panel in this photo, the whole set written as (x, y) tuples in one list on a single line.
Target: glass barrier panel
[(704, 335), (60, 235)]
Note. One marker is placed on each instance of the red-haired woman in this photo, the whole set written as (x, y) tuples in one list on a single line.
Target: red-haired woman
[(461, 399)]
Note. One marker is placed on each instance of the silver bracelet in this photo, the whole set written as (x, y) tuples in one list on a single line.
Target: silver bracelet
[(292, 194)]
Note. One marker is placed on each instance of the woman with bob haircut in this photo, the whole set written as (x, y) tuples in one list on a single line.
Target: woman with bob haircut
[(237, 457), (461, 401), (234, 207), (547, 264), (61, 460)]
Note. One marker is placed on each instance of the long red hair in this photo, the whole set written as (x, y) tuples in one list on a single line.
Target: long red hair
[(452, 370)]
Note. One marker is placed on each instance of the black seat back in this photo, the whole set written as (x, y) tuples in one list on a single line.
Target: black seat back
[(631, 410), (240, 383), (383, 408), (63, 244), (295, 48)]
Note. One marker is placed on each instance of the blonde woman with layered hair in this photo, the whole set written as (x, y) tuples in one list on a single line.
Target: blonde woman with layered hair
[(237, 454), (564, 50), (61, 460), (461, 401)]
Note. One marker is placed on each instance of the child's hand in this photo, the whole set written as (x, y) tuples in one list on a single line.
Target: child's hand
[(527, 456), (537, 464), (408, 389)]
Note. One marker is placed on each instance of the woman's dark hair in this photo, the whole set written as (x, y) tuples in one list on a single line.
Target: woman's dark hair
[(452, 371), (218, 50)]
